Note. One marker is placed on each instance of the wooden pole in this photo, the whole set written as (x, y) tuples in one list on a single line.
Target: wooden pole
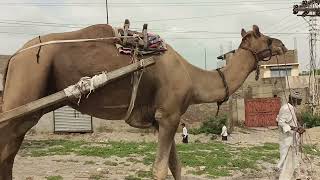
[(61, 96)]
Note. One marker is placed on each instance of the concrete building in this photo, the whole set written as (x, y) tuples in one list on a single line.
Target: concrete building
[(277, 76), (277, 66), (281, 66)]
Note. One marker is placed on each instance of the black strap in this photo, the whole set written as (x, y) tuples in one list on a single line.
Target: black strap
[(226, 97), (38, 54)]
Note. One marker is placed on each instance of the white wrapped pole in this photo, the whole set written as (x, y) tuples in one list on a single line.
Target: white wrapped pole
[(84, 86)]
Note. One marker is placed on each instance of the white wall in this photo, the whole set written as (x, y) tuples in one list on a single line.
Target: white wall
[(266, 72), (45, 124), (295, 71)]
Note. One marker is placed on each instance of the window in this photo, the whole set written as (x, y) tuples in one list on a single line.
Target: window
[(280, 72)]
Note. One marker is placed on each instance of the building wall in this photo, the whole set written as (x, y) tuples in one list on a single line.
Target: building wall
[(264, 88), (266, 71), (295, 71)]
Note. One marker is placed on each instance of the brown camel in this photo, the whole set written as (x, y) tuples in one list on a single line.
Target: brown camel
[(165, 92)]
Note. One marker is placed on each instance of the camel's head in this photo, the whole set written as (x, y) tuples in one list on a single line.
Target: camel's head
[(263, 46)]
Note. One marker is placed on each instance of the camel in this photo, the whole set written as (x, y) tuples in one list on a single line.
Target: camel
[(165, 91)]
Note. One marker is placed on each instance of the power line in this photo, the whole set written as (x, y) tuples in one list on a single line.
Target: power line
[(25, 22), (206, 37), (52, 24), (135, 4), (285, 24), (275, 24), (292, 26), (213, 16), (212, 32)]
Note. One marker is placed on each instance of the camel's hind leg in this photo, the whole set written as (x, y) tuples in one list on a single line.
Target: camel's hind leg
[(174, 163), (26, 81)]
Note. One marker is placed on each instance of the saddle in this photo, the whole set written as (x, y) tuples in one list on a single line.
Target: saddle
[(138, 43)]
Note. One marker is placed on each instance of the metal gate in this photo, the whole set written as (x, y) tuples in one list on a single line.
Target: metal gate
[(261, 112), (67, 119)]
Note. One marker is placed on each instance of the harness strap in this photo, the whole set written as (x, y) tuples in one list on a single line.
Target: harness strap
[(136, 81), (226, 97), (69, 41), (258, 58)]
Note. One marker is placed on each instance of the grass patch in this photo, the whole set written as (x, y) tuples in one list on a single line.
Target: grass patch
[(110, 163), (89, 162), (95, 177), (312, 150), (133, 160), (65, 147), (132, 178), (221, 159), (215, 159), (54, 178), (144, 174), (212, 126)]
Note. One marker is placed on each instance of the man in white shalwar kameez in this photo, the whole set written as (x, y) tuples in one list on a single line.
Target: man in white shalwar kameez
[(289, 134)]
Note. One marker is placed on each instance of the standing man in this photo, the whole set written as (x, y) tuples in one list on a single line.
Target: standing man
[(184, 133), (289, 137)]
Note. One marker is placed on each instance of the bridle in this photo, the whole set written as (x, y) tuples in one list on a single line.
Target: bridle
[(258, 57)]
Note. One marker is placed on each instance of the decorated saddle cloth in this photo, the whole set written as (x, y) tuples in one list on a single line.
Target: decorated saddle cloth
[(135, 43)]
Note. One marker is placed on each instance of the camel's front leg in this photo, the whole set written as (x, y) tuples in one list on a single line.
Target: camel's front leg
[(167, 128), (11, 142), (8, 152), (174, 163)]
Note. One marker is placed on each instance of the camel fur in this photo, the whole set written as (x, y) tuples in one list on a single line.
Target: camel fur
[(165, 92)]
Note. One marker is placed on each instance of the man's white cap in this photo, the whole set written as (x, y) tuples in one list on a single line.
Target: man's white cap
[(295, 94)]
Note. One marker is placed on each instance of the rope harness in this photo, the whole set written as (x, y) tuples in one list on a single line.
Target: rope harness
[(259, 56), (226, 87)]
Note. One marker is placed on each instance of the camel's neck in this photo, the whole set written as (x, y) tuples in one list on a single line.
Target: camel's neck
[(208, 85)]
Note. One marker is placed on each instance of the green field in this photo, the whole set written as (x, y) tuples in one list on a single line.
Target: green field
[(216, 159)]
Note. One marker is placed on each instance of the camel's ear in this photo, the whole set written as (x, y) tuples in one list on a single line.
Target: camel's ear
[(256, 31), (243, 32)]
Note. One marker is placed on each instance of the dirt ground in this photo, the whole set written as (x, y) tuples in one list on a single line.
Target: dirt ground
[(83, 167)]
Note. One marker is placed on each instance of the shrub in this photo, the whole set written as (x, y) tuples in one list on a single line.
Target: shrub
[(310, 120), (212, 126)]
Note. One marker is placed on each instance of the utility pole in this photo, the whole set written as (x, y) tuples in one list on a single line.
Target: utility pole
[(311, 9), (205, 58), (107, 11)]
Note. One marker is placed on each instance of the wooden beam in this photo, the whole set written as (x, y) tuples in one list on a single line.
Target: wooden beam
[(61, 96)]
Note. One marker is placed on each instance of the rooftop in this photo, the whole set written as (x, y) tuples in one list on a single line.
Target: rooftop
[(290, 57)]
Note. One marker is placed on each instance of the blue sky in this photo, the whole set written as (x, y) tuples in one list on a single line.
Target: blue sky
[(189, 26)]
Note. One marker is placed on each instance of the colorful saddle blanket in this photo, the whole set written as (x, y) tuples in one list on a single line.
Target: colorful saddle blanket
[(135, 43)]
